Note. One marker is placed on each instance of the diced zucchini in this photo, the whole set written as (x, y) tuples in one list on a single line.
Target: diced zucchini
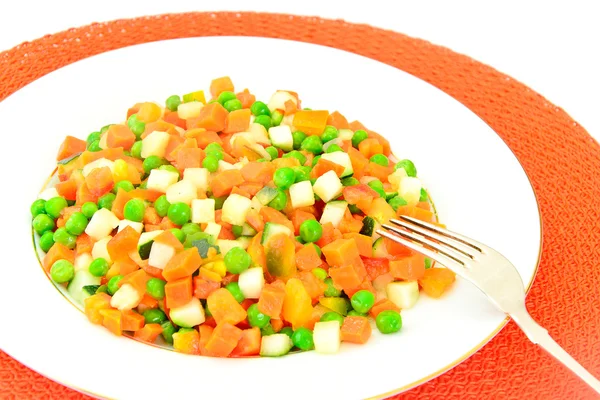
[(198, 176), (390, 195), (137, 226), (145, 243), (99, 250), (182, 192), (99, 163), (302, 194), (90, 289), (266, 194), (275, 345), (281, 137), (340, 158), (189, 110), (379, 249), (272, 229), (368, 226), (235, 209), (334, 212), (160, 254), (155, 144), (125, 298), (203, 210), (403, 294), (251, 282), (189, 315), (328, 186), (82, 278), (102, 224), (326, 336)]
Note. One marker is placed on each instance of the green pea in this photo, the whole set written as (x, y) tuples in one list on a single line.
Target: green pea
[(320, 273), (94, 146), (125, 185), (190, 228), (154, 316), (92, 137), (54, 206), (298, 137), (331, 290), (161, 205), (76, 223), (256, 318), (62, 271), (333, 148), (106, 201), (396, 202), (226, 96), (136, 149), (237, 230), (136, 126), (178, 233), (214, 146), (329, 133), (232, 105), (303, 339), (354, 313), (350, 181), (424, 196), (312, 144), (267, 330), (170, 168), (219, 201), (42, 223), (287, 331), (99, 267), (428, 262), (388, 321), (259, 108), (296, 154), (279, 201), (234, 289), (377, 186), (302, 173), (284, 178), (113, 284), (155, 287), (314, 162), (332, 316), (408, 166), (167, 331), (276, 118), (89, 209), (152, 162), (380, 159), (362, 301), (47, 241), (237, 260), (38, 207), (65, 238), (134, 210), (311, 230), (173, 102), (211, 163), (272, 152), (358, 137), (105, 128), (179, 213), (264, 120)]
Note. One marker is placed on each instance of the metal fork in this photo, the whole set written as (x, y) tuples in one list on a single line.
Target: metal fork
[(489, 271)]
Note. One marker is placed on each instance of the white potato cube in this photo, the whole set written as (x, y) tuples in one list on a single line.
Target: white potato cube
[(403, 294), (160, 180), (396, 177), (326, 336), (125, 298), (345, 134), (198, 176), (48, 194), (340, 158), (224, 166), (189, 110), (102, 224), (83, 261), (281, 137), (251, 282), (279, 98), (302, 195), (182, 192), (188, 315), (334, 213), (137, 226), (328, 186), (410, 190), (160, 254), (203, 210), (259, 133), (155, 144), (103, 142), (100, 249), (225, 245), (99, 163), (235, 209)]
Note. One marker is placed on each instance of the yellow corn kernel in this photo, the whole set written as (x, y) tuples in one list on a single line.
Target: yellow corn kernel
[(120, 170), (210, 275), (149, 112)]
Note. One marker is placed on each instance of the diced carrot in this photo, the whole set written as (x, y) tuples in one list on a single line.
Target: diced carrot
[(317, 313), (277, 324), (355, 330), (396, 249), (159, 125), (237, 121), (380, 172), (241, 192), (370, 147), (383, 141), (175, 141), (178, 293), (189, 158), (148, 333), (131, 321), (152, 227), (149, 112), (364, 243), (246, 98), (110, 154), (224, 339), (119, 203), (224, 307), (416, 212), (348, 224), (257, 251), (145, 194), (382, 305), (122, 267), (290, 107), (205, 331), (298, 217), (67, 189), (112, 320), (327, 236), (290, 162), (225, 181), (209, 275), (93, 305), (338, 120), (356, 125), (365, 285), (119, 136), (324, 166), (249, 343), (183, 264), (313, 285), (69, 147), (341, 252), (57, 252), (345, 276), (311, 122), (436, 281), (170, 240), (251, 188), (258, 172), (219, 85), (147, 303), (376, 266), (150, 216), (297, 304), (271, 300), (100, 181), (359, 162), (172, 117), (307, 258), (212, 117), (271, 215), (166, 224), (123, 243), (84, 244), (203, 137), (255, 220), (203, 288), (187, 342), (137, 280)]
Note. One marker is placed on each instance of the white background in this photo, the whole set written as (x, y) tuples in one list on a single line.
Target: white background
[(553, 47)]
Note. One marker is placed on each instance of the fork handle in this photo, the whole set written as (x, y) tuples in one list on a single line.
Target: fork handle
[(540, 336)]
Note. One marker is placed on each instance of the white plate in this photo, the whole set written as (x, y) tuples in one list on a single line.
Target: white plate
[(479, 188)]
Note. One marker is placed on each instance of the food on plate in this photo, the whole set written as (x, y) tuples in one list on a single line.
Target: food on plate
[(234, 227)]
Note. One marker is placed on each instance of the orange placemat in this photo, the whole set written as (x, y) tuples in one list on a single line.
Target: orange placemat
[(561, 159)]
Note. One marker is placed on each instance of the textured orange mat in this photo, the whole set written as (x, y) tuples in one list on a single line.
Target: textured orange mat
[(561, 159)]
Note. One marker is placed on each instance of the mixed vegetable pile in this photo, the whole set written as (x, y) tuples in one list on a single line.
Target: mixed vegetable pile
[(232, 227)]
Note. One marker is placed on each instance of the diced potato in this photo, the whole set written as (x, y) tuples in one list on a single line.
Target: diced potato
[(160, 180), (182, 192), (155, 144)]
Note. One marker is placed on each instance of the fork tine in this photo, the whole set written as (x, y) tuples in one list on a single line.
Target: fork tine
[(451, 264), (448, 241), (439, 247), (480, 247)]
